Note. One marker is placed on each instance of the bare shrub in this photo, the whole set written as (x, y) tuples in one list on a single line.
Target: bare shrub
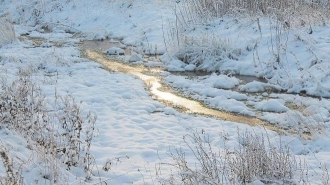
[(255, 158), (59, 131), (77, 133), (210, 167), (19, 101), (13, 176)]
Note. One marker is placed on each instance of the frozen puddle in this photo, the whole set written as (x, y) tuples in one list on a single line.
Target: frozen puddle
[(190, 106)]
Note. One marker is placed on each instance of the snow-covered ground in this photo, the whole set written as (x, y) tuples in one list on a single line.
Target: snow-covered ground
[(135, 132), (131, 126)]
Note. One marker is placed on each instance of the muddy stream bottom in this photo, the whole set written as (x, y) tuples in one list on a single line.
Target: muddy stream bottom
[(185, 105)]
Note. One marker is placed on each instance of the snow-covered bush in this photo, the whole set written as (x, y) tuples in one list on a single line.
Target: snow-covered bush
[(255, 159)]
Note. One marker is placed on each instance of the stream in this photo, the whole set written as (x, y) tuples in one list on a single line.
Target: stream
[(155, 86), (94, 51)]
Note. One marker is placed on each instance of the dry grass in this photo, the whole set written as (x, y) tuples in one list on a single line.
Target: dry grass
[(58, 131), (254, 159), (291, 12)]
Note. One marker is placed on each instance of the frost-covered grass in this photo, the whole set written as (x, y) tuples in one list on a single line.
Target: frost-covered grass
[(254, 160), (292, 12)]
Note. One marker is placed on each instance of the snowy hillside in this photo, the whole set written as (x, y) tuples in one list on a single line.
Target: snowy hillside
[(261, 78)]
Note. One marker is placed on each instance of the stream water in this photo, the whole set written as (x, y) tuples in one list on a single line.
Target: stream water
[(94, 50), (154, 84)]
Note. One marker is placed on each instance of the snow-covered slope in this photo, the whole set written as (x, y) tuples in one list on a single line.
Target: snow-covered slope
[(134, 132)]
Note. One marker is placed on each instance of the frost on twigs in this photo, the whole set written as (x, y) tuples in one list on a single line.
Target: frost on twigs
[(291, 12), (59, 132), (206, 53), (13, 176), (255, 158)]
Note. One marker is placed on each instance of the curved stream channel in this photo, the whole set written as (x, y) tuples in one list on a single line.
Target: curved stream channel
[(154, 84)]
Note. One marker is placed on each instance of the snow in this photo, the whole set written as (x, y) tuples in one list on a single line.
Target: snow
[(222, 81), (273, 105), (135, 131), (190, 67), (7, 33), (231, 105), (175, 65), (135, 57), (252, 87), (130, 123), (213, 91), (115, 51)]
